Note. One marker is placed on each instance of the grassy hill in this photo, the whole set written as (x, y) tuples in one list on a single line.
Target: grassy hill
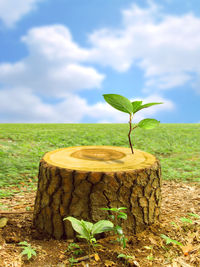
[(22, 146)]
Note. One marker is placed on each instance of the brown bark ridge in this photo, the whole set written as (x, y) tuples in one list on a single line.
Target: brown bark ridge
[(78, 181)]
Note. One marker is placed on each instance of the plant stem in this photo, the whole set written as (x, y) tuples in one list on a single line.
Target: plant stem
[(129, 137), (89, 250)]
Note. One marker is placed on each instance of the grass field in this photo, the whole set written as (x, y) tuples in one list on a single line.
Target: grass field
[(22, 146)]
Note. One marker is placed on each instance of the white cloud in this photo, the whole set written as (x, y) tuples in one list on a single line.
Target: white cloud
[(22, 105), (12, 11), (170, 80), (54, 43), (58, 68), (164, 46), (19, 104), (53, 67)]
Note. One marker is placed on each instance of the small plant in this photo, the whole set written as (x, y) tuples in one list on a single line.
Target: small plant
[(168, 240), (117, 228), (88, 230), (123, 104), (188, 223), (186, 220), (75, 248), (27, 250)]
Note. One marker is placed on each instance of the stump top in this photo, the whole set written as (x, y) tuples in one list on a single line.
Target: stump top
[(99, 158)]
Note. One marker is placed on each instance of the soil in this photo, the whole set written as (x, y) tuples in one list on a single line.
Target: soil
[(147, 248)]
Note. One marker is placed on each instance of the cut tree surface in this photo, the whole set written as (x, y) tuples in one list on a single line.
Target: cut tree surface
[(78, 181)]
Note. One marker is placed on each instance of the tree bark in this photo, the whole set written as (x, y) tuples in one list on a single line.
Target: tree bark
[(78, 181)]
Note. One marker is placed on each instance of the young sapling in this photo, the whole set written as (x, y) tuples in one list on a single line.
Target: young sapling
[(88, 230), (123, 104), (168, 240), (75, 249), (27, 250), (118, 228)]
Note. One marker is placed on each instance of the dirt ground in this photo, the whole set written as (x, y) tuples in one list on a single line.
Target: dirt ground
[(147, 248)]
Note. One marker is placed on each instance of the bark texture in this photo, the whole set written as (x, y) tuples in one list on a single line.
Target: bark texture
[(66, 191)]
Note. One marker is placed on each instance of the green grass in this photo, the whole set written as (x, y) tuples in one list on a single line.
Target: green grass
[(22, 146)]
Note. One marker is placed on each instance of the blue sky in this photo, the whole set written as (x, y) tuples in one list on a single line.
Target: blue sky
[(57, 58)]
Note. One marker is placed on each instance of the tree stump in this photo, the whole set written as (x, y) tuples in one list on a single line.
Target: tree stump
[(78, 181)]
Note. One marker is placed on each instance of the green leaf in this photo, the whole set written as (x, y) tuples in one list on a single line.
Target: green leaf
[(119, 230), (136, 105), (24, 243), (114, 209), (194, 215), (29, 254), (28, 251), (122, 215), (33, 252), (72, 260), (122, 256), (119, 102), (186, 220), (121, 208), (101, 226), (149, 105), (87, 228), (25, 251), (148, 123), (125, 256), (168, 240), (71, 246), (124, 239), (87, 225), (77, 226)]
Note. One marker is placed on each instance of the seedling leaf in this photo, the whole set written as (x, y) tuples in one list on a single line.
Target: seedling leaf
[(125, 256), (136, 105), (87, 225), (78, 226), (121, 208), (168, 240), (148, 123), (119, 102), (186, 220), (121, 256), (24, 243), (101, 226), (122, 215), (149, 105), (119, 230)]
